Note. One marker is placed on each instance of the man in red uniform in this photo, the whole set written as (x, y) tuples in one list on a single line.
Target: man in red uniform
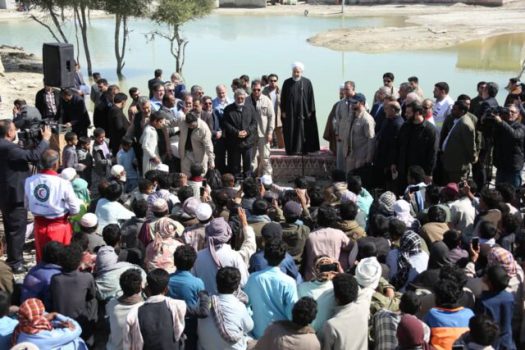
[(51, 200)]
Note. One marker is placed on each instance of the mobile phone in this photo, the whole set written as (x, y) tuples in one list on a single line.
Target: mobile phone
[(329, 267), (204, 183), (458, 347), (475, 243)]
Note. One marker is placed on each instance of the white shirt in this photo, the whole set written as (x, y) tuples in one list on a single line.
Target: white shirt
[(50, 196), (442, 110)]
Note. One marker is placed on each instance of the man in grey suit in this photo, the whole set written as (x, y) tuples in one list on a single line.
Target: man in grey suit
[(457, 145)]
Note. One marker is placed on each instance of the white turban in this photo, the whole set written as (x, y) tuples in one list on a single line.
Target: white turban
[(299, 65), (368, 273)]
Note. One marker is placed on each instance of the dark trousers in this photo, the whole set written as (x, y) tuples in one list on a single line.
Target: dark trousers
[(235, 155), (219, 148), (15, 226)]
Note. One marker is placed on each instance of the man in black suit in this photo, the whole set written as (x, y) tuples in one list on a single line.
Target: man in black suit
[(14, 169), (155, 81), (73, 113), (240, 126), (47, 101)]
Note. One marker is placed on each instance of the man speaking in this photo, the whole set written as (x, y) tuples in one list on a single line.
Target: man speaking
[(298, 113), (14, 169)]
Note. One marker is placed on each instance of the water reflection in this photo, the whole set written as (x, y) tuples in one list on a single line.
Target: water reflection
[(499, 53)]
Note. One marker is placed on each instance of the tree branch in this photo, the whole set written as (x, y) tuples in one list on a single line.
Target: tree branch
[(45, 26)]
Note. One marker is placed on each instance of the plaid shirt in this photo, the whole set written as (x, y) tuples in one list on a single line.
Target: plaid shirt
[(385, 328)]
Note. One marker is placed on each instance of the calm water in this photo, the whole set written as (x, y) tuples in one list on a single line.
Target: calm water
[(222, 47)]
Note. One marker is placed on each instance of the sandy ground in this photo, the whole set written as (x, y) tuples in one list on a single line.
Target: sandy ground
[(425, 27)]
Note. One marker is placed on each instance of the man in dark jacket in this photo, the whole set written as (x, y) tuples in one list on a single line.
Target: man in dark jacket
[(509, 135), (416, 145), (482, 169), (47, 101), (118, 123), (14, 169), (386, 141), (240, 125), (73, 113)]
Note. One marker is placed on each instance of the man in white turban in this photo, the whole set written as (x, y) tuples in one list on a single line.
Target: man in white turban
[(298, 113)]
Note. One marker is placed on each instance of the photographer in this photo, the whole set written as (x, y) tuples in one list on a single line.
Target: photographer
[(25, 116), (509, 135), (14, 169)]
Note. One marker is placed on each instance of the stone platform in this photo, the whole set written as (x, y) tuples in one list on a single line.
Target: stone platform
[(286, 168)]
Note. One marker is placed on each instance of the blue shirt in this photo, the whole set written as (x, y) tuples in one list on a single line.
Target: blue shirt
[(364, 201), (58, 338), (126, 158), (272, 295), (258, 262), (7, 326), (184, 286)]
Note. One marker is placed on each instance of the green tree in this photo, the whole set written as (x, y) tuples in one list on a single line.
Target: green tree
[(81, 7), (123, 10), (174, 14)]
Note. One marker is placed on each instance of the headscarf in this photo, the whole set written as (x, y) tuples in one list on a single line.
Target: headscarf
[(80, 186), (439, 255), (323, 276), (165, 228), (368, 272), (409, 244), (387, 199), (402, 211), (218, 232), (410, 333), (504, 258), (190, 206), (31, 318)]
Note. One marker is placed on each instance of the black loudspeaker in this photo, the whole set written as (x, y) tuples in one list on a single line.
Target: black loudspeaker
[(59, 65)]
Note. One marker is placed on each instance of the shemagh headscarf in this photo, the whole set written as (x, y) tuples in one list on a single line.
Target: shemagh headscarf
[(80, 186), (218, 232), (31, 318), (324, 276), (165, 228), (504, 258), (410, 244)]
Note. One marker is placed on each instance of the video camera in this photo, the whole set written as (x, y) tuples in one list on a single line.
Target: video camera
[(30, 137)]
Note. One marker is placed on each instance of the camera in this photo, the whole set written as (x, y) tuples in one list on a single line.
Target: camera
[(30, 137)]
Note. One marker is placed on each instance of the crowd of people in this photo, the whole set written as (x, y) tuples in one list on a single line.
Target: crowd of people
[(161, 227)]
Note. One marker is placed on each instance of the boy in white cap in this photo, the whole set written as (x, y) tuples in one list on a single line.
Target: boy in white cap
[(89, 225), (195, 235)]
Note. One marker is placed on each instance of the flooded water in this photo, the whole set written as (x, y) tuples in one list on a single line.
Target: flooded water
[(222, 47)]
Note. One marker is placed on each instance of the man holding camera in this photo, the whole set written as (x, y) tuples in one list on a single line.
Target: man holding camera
[(509, 135), (14, 169)]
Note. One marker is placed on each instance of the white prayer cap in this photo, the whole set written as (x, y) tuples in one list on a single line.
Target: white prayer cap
[(203, 212), (89, 220), (266, 180), (68, 174), (163, 167), (116, 170), (368, 272), (299, 65)]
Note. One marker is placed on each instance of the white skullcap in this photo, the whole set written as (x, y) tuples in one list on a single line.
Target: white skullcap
[(68, 174), (89, 220), (203, 212), (299, 65), (368, 273), (266, 180), (116, 170), (163, 167)]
